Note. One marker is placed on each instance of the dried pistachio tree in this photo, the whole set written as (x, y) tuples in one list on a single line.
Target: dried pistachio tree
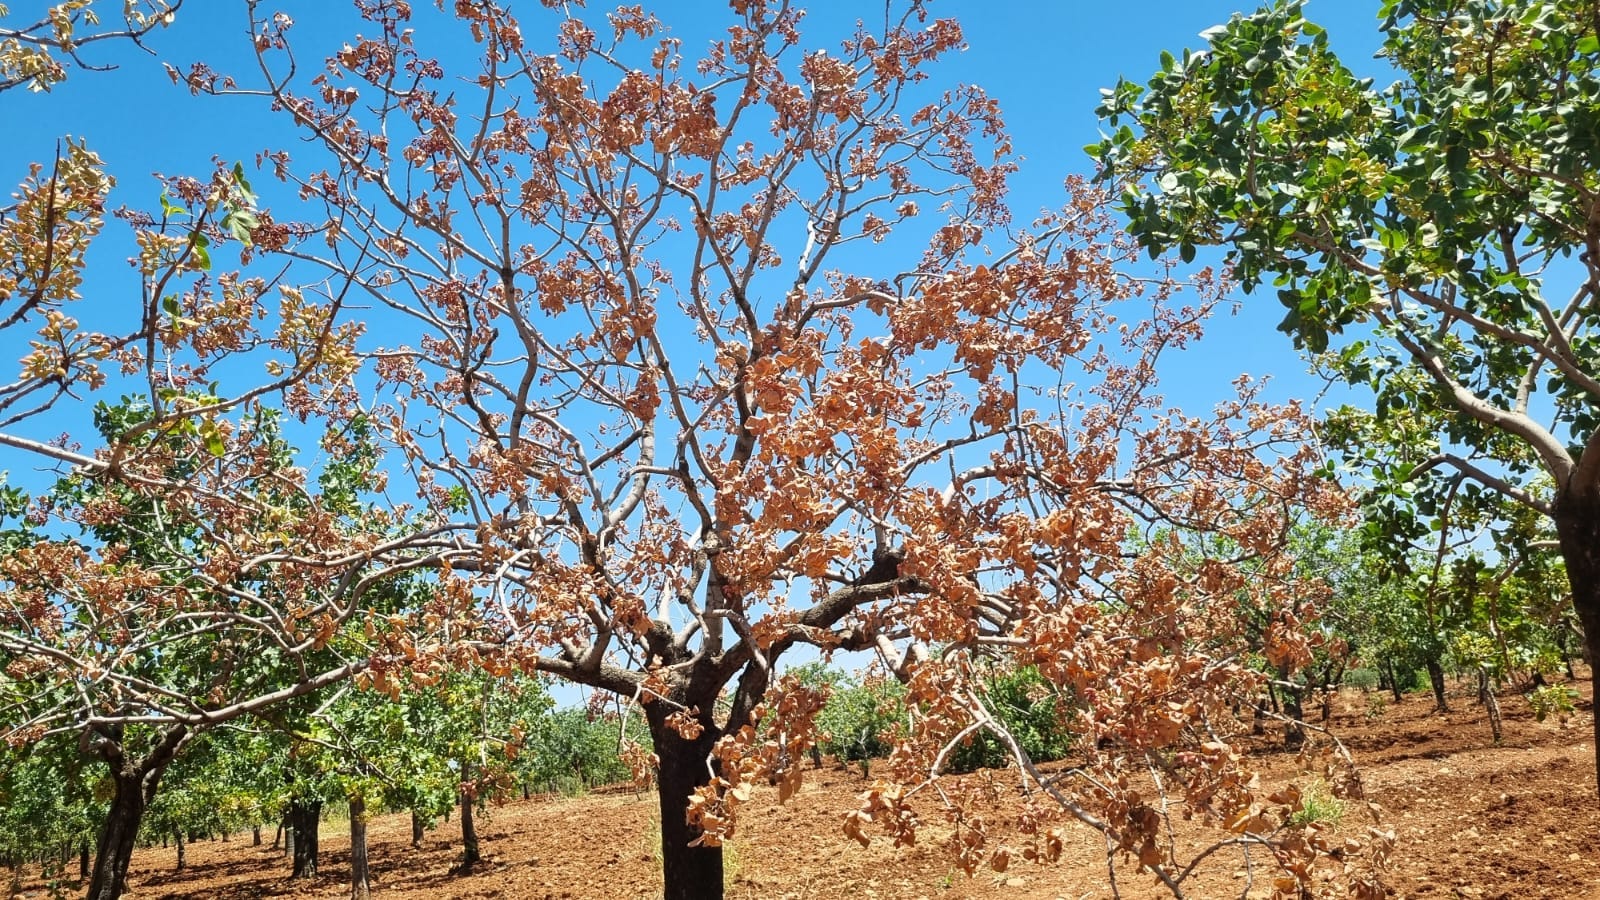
[(713, 357)]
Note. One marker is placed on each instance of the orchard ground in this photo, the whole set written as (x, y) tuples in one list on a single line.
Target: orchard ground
[(1475, 820)]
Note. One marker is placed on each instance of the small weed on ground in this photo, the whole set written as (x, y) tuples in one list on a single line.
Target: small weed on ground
[(1377, 705), (1318, 804)]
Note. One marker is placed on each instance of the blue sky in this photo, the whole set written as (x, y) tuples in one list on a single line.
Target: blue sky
[(1045, 61)]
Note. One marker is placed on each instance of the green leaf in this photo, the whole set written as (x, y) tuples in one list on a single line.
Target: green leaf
[(212, 436), (246, 194), (240, 223)]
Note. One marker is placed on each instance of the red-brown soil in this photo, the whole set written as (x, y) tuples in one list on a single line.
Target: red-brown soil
[(1474, 820)]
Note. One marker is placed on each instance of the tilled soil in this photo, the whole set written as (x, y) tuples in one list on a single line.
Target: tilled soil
[(1474, 820)]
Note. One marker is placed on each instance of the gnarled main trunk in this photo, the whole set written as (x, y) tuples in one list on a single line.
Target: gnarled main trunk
[(134, 786), (304, 818), (1578, 527), (115, 848), (688, 872)]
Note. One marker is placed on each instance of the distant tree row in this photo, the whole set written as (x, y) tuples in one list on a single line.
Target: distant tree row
[(456, 744)]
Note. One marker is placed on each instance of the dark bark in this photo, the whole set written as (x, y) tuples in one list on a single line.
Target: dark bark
[(83, 861), (1578, 528), (416, 829), (1394, 682), (304, 818), (1332, 675), (255, 835), (469, 829), (360, 888), (134, 784), (1436, 679), (121, 828), (1491, 705), (177, 839), (689, 873), (1294, 734)]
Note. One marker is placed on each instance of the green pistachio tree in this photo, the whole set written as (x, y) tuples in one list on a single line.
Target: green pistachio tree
[(1441, 236)]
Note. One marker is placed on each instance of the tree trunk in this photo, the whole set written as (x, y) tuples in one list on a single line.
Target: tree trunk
[(359, 886), (132, 793), (416, 830), (1492, 706), (1294, 734), (689, 873), (135, 785), (83, 861), (304, 818), (1394, 683), (255, 836), (1436, 678), (1332, 675), (177, 837), (469, 829), (1578, 527)]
